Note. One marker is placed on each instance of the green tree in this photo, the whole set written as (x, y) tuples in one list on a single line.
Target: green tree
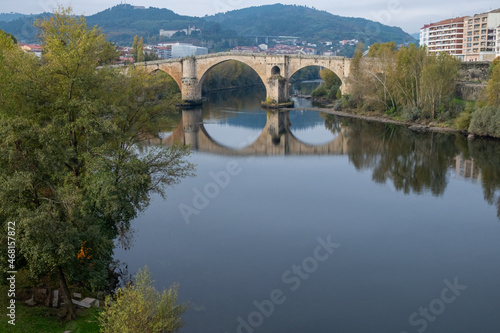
[(438, 81), (71, 173), (138, 49), (493, 88), (139, 307)]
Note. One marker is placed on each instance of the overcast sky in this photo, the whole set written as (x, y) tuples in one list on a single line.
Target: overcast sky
[(410, 15)]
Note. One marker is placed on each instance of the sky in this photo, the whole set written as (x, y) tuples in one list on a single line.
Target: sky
[(410, 15)]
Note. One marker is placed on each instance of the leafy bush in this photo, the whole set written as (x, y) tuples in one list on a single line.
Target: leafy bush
[(462, 123), (321, 91), (338, 105), (486, 121), (390, 111), (139, 307), (411, 113)]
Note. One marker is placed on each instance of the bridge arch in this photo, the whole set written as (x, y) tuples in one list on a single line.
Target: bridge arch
[(207, 71), (178, 86), (258, 64)]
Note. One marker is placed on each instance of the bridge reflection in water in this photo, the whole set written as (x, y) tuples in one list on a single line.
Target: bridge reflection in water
[(275, 139)]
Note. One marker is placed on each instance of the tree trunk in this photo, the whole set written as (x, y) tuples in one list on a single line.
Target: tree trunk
[(68, 304)]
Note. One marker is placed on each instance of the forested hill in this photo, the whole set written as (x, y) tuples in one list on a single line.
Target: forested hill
[(122, 22), (310, 23)]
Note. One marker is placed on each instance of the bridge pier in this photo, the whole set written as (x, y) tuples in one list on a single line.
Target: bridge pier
[(191, 87), (277, 89)]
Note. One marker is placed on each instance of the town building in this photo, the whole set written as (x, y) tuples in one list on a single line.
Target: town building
[(444, 36), (178, 50), (424, 35), (32, 48), (481, 36), (498, 41)]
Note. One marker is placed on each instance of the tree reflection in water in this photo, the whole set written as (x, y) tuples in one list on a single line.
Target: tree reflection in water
[(418, 162)]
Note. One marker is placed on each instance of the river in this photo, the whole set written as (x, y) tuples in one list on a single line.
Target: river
[(306, 222)]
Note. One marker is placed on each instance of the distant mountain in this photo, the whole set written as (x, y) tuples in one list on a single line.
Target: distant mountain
[(308, 23), (7, 17), (226, 30), (122, 22)]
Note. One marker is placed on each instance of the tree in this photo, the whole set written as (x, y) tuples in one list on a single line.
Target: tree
[(71, 173), (438, 81), (139, 307), (493, 88), (138, 49)]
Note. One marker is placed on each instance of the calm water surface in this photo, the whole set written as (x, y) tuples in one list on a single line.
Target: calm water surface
[(305, 222)]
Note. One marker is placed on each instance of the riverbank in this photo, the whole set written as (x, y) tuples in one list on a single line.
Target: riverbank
[(379, 117)]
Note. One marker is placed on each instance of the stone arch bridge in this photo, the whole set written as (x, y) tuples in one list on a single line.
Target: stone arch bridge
[(275, 71)]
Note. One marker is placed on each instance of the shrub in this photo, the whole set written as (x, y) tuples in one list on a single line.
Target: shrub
[(139, 307), (486, 121), (390, 111), (411, 113), (462, 123), (269, 100), (338, 105), (321, 91)]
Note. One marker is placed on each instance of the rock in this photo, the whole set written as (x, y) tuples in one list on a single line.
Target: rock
[(77, 295), (91, 302), (80, 303), (55, 299), (471, 137), (418, 128), (30, 302)]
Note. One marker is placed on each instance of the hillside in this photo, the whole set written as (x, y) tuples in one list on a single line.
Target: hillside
[(7, 17), (313, 24), (226, 30)]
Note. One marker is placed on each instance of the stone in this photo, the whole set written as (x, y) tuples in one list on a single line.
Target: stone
[(55, 299), (30, 302), (471, 137), (77, 295), (80, 303), (91, 302)]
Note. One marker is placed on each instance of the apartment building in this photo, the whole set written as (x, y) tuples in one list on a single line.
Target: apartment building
[(480, 38), (498, 41), (444, 36)]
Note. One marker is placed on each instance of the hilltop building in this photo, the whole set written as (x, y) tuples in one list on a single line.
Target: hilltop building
[(170, 33)]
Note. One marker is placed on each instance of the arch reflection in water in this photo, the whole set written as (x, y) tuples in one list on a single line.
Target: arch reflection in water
[(276, 138)]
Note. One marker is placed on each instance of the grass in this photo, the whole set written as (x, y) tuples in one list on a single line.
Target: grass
[(46, 320)]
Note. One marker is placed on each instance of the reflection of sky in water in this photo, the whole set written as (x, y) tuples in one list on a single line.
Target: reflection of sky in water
[(314, 135), (232, 136)]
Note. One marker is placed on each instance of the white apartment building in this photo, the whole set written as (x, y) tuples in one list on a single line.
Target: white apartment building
[(424, 36), (498, 41), (444, 36), (179, 50)]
